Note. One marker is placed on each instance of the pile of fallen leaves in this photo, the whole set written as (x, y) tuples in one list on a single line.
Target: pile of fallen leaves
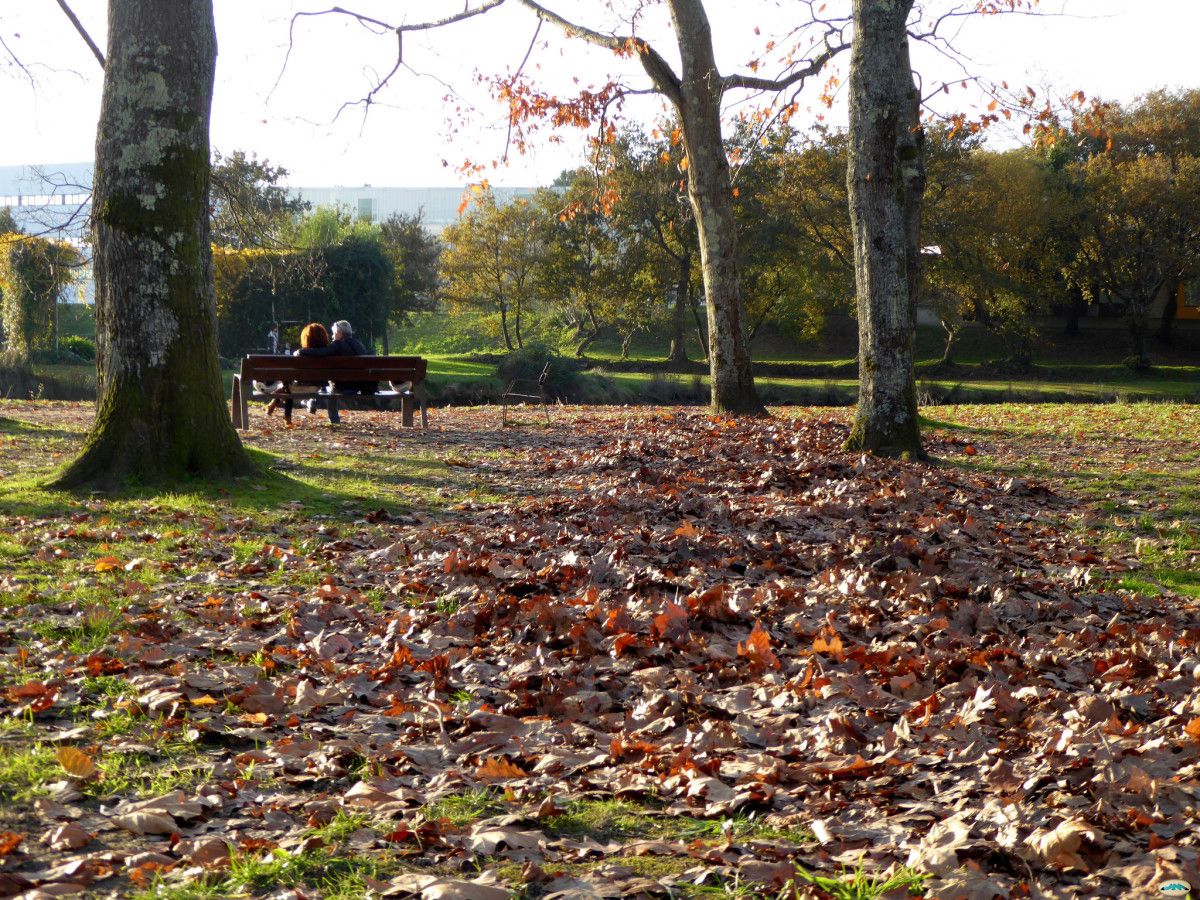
[(711, 618)]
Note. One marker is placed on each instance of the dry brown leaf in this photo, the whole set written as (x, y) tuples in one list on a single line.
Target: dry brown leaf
[(1060, 846), (757, 648), (144, 822), (69, 836)]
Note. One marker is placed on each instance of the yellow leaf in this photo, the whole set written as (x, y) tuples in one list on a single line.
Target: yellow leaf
[(205, 701), (108, 563), (75, 763)]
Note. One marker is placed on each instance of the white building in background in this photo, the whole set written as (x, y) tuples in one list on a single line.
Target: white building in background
[(58, 197), (439, 206)]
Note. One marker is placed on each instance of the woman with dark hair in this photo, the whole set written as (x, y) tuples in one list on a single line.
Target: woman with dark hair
[(313, 336)]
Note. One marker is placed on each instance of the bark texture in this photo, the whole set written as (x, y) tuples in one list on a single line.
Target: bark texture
[(161, 413), (698, 103), (886, 181)]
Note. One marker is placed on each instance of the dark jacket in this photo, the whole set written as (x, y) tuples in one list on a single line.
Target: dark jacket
[(347, 346)]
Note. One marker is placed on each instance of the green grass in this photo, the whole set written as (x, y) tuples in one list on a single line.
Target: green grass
[(25, 770), (334, 876), (463, 809), (1136, 463)]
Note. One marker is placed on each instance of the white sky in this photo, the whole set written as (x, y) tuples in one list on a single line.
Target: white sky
[(1111, 48)]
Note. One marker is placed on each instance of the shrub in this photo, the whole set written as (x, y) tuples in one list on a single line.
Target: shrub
[(80, 346), (58, 358)]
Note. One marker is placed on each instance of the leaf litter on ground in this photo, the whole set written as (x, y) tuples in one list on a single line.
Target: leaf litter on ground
[(900, 667)]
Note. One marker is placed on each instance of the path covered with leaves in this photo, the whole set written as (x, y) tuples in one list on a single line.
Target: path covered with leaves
[(639, 653)]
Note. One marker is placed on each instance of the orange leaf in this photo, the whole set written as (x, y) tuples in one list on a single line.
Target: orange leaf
[(687, 530), (497, 768), (757, 648), (9, 841), (75, 763), (1192, 729), (831, 645), (672, 622), (970, 450)]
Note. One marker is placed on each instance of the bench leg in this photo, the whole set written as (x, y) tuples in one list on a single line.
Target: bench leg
[(406, 410)]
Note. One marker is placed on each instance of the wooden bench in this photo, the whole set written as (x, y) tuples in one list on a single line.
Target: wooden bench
[(404, 372)]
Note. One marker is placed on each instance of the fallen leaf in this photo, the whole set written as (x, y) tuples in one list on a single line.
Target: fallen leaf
[(75, 762)]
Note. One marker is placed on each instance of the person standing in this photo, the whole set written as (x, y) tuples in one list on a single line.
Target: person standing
[(273, 339)]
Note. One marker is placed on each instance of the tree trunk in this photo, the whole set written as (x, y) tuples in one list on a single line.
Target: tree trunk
[(1077, 311), (1137, 326), (586, 331), (678, 353), (161, 413), (700, 335), (504, 325), (517, 323), (885, 177), (710, 193), (1171, 309), (948, 349), (625, 342)]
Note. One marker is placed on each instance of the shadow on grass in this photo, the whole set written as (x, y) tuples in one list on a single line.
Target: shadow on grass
[(344, 490)]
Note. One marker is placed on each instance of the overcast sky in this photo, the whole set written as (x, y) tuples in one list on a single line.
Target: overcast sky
[(289, 114)]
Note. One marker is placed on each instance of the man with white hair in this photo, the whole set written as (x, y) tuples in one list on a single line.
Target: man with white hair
[(344, 343)]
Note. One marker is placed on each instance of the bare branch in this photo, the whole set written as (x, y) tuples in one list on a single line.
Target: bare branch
[(752, 82), (87, 38), (656, 67), (513, 79), (17, 62)]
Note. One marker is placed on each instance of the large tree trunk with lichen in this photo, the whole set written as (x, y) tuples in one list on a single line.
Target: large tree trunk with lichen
[(710, 193), (161, 414), (886, 181)]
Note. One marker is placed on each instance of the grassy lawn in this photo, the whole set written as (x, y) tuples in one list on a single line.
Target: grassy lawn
[(1137, 466)]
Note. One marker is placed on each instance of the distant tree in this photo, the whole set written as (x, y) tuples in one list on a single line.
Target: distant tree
[(1141, 233), (1002, 269), (652, 211), (161, 412), (490, 262), (578, 272), (8, 224), (250, 208), (415, 254), (794, 231), (33, 273)]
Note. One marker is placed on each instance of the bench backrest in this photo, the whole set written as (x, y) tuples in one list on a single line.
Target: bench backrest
[(334, 368)]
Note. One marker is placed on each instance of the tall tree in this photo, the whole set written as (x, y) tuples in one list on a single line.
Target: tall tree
[(160, 412), (414, 253), (885, 179)]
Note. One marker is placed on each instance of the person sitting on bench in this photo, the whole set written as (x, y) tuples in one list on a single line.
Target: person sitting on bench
[(344, 344), (313, 335)]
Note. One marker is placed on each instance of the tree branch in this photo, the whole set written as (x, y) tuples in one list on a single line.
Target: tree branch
[(656, 67), (751, 82), (87, 38)]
